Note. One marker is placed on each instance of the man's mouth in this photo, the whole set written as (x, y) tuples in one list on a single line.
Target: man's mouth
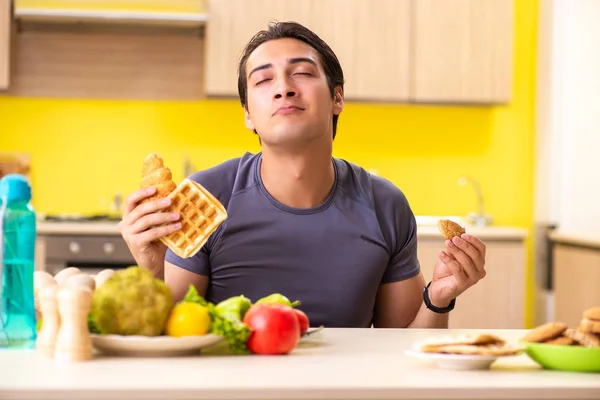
[(287, 110)]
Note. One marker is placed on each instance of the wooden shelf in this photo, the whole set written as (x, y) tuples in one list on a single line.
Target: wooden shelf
[(116, 16)]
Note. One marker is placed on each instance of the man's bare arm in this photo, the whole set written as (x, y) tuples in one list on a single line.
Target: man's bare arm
[(400, 305), (179, 281)]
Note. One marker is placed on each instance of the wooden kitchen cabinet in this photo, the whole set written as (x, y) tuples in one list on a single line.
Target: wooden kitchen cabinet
[(462, 51), (374, 53), (498, 300), (40, 253), (575, 279), (372, 41), (5, 38)]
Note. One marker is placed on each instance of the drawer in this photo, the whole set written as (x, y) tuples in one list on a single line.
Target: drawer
[(74, 248)]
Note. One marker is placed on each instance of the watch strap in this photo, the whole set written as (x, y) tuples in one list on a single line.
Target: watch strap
[(434, 308)]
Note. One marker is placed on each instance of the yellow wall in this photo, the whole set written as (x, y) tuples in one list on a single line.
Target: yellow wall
[(85, 151)]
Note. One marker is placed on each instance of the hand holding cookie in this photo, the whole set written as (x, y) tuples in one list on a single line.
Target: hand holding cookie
[(459, 267)]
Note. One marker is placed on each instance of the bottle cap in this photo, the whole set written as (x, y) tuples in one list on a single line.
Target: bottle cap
[(14, 187)]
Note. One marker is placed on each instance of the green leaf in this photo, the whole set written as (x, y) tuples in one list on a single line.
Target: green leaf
[(92, 325), (192, 296)]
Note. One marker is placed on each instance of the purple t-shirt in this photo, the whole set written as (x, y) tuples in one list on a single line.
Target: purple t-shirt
[(332, 257)]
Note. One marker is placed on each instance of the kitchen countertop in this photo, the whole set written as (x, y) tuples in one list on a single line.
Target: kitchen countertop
[(488, 232), (575, 239), (426, 231), (340, 363), (78, 228)]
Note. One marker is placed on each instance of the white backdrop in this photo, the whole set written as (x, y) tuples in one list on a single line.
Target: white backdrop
[(568, 116)]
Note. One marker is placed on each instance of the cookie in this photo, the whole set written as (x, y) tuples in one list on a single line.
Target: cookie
[(548, 331), (486, 350), (449, 229), (589, 326), (592, 313), (561, 341), (433, 345), (583, 338)]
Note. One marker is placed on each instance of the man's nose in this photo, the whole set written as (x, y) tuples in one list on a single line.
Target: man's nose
[(284, 89), (290, 93)]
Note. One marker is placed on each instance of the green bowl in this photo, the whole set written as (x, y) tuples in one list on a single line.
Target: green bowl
[(564, 358)]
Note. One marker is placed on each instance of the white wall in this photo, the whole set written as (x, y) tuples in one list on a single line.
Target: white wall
[(567, 192), (568, 116)]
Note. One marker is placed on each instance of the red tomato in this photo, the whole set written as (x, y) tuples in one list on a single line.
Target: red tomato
[(302, 320), (275, 329)]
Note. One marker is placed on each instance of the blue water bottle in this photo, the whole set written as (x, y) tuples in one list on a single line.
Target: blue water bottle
[(17, 239)]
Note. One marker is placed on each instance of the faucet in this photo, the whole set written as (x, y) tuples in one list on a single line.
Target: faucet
[(188, 168), (117, 203), (479, 218)]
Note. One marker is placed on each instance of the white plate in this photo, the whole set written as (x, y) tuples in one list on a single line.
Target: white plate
[(312, 333), (153, 346), (456, 361)]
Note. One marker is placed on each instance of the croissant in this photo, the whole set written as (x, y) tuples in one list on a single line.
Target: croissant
[(154, 173)]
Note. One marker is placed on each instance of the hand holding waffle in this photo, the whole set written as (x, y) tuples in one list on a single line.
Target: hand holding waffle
[(459, 267), (162, 215), (144, 221)]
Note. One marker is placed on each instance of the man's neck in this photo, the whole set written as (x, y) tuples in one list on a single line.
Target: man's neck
[(300, 180)]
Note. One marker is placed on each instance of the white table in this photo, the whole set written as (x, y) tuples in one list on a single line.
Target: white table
[(339, 364)]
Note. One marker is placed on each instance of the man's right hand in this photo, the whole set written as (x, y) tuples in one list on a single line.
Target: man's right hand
[(143, 224)]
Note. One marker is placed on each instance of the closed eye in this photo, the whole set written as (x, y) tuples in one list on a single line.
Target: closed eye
[(303, 73), (259, 82)]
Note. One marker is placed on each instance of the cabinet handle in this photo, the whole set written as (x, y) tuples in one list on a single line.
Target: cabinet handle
[(74, 247), (109, 248)]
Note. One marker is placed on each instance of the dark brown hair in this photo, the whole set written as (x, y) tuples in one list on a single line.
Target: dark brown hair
[(293, 30)]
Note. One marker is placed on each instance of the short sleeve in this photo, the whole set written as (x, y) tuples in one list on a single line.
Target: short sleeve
[(404, 263), (198, 263), (399, 228), (219, 181)]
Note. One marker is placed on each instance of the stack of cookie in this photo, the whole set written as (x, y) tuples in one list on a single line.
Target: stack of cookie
[(590, 324), (587, 334)]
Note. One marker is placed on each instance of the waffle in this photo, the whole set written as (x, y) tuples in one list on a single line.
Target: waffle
[(200, 215)]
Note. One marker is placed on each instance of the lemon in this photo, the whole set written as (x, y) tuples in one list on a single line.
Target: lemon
[(188, 319)]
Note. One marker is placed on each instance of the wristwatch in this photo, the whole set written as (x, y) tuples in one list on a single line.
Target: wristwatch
[(434, 308)]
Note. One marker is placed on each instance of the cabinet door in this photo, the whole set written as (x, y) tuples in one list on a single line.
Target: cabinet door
[(5, 29), (372, 43), (462, 51), (575, 280), (231, 24)]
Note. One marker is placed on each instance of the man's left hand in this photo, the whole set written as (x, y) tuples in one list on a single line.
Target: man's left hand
[(457, 269)]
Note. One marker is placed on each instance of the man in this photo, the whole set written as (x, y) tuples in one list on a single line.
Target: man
[(302, 223)]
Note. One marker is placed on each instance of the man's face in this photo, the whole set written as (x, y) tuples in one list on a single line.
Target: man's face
[(289, 102)]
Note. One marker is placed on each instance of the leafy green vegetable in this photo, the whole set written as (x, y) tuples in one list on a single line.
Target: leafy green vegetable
[(192, 296), (92, 325), (226, 319), (235, 332)]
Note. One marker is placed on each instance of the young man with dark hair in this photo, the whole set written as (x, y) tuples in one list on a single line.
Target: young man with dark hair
[(301, 222)]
